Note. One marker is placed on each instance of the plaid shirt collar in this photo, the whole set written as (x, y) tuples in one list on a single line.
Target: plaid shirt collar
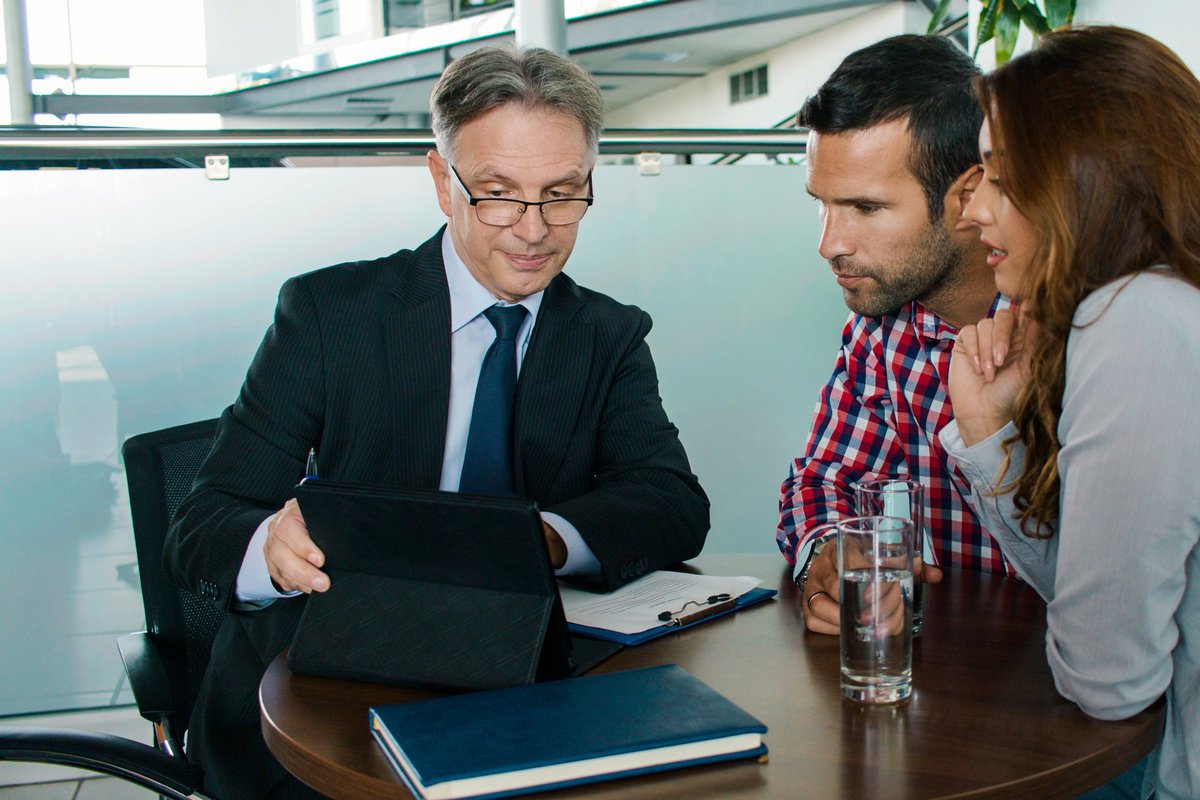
[(932, 329)]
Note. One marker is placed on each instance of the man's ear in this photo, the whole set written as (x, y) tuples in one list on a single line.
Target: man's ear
[(959, 195), (439, 170)]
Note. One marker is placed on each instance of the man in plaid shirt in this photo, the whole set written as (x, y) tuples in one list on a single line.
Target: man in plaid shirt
[(892, 161)]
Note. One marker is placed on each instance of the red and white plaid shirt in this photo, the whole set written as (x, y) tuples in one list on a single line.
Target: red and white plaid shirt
[(878, 417)]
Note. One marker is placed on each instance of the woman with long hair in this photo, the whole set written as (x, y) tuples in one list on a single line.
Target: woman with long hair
[(1078, 417)]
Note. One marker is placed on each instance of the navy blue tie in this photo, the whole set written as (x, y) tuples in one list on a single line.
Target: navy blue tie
[(488, 464)]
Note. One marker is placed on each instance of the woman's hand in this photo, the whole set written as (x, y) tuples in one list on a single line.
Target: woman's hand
[(988, 367)]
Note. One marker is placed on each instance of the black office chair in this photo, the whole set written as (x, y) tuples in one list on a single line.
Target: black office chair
[(166, 662)]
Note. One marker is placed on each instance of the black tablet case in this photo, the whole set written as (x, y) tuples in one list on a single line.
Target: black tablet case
[(432, 589)]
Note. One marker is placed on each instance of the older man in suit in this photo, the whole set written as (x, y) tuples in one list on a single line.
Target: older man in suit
[(388, 369)]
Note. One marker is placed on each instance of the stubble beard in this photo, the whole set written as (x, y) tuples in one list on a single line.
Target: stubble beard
[(928, 268)]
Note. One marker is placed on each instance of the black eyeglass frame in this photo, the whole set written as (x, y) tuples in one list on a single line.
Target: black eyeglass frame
[(524, 204)]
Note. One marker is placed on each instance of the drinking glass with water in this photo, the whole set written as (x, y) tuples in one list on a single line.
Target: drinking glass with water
[(904, 498), (875, 563)]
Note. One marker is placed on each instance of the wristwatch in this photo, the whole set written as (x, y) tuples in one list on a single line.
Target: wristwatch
[(818, 544)]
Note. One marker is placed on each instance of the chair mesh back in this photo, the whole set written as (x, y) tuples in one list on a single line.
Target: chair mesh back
[(160, 468), (180, 463)]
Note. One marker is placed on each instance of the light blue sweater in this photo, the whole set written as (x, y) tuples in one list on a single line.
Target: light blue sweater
[(1121, 575)]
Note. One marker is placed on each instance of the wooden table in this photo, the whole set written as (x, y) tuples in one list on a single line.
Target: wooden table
[(984, 719)]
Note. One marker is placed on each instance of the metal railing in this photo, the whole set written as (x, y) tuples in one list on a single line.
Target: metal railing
[(23, 148)]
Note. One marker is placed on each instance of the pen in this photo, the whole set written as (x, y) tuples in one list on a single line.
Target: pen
[(682, 619), (713, 605), (310, 469)]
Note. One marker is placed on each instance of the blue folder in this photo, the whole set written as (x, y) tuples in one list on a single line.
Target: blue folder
[(748, 599)]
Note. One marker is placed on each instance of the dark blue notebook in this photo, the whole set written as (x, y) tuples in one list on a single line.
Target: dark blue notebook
[(562, 733)]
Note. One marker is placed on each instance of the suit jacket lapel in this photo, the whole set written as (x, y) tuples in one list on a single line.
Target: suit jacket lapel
[(553, 379), (418, 348)]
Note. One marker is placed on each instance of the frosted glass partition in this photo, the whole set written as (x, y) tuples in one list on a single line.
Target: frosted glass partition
[(134, 300)]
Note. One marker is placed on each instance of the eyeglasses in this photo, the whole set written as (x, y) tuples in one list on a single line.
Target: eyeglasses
[(503, 211)]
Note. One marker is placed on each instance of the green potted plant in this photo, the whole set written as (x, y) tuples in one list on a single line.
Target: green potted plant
[(1002, 19)]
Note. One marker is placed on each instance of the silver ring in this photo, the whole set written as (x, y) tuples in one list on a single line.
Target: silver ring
[(808, 602)]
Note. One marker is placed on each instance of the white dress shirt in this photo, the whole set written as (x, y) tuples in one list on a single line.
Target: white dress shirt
[(471, 334)]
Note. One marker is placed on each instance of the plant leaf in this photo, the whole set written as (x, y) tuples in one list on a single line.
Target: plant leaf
[(1007, 27), (1060, 13), (939, 14), (987, 23), (1034, 20)]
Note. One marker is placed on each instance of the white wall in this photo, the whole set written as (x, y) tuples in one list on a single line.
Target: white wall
[(795, 71), (1172, 23)]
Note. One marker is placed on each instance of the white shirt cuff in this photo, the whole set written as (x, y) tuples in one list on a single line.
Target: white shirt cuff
[(254, 588), (580, 558), (804, 553)]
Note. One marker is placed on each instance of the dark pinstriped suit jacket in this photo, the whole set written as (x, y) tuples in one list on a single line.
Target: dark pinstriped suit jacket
[(357, 364)]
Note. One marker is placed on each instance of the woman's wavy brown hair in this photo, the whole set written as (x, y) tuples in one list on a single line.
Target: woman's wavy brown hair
[(1096, 139)]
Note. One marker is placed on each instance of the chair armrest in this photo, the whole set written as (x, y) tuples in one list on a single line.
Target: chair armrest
[(146, 667), (102, 752)]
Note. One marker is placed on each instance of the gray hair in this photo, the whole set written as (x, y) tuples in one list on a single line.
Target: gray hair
[(532, 77)]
